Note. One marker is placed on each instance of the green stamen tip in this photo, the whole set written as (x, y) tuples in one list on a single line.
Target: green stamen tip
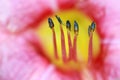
[(93, 26), (68, 25), (59, 20), (76, 27)]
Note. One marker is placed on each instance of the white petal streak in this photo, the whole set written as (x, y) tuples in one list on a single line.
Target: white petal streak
[(48, 72), (114, 43)]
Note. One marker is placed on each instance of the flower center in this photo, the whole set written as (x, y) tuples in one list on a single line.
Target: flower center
[(66, 41)]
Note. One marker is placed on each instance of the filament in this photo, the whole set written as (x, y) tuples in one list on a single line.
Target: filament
[(74, 48), (90, 51), (55, 45), (63, 44)]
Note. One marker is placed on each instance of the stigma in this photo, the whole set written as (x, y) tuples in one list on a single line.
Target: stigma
[(72, 43)]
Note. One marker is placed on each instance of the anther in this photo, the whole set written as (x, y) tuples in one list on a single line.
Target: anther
[(76, 27), (93, 26), (59, 20), (89, 30), (68, 25), (50, 22)]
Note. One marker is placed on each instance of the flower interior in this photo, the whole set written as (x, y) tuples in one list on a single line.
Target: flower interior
[(69, 39)]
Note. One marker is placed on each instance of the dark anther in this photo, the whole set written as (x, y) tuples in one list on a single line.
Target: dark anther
[(89, 30), (93, 26), (50, 22), (68, 25), (59, 20), (76, 27)]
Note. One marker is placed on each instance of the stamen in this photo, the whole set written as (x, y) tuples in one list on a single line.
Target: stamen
[(68, 26), (64, 57), (90, 33), (76, 30), (51, 25)]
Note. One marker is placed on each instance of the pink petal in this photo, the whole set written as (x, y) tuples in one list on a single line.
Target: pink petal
[(19, 14), (18, 58)]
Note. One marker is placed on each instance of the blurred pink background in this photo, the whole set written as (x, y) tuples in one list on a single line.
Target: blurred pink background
[(21, 58)]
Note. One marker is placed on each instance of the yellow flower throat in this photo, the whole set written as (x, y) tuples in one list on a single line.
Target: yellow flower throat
[(55, 41)]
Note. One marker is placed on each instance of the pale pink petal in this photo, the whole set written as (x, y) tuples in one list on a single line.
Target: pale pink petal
[(19, 60)]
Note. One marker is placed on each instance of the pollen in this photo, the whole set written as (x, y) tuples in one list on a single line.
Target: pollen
[(65, 40)]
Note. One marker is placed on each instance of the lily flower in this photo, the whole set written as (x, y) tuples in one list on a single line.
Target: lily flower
[(59, 40)]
